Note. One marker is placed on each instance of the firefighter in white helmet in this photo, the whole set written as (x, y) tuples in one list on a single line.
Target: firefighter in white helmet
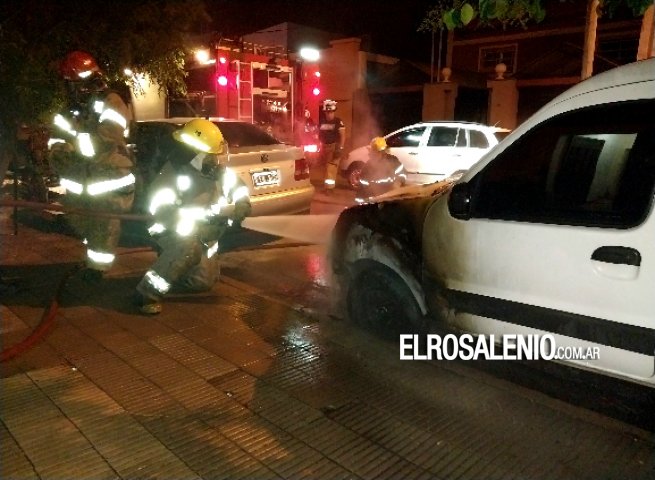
[(89, 153), (194, 200), (332, 134)]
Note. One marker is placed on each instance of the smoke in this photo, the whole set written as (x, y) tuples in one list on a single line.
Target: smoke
[(365, 125)]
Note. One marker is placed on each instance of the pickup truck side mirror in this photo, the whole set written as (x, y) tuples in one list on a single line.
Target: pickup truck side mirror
[(459, 201)]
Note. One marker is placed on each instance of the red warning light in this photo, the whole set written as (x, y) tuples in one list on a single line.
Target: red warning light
[(222, 80), (316, 91), (222, 60)]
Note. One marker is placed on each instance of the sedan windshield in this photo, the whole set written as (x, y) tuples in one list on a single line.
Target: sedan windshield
[(239, 134)]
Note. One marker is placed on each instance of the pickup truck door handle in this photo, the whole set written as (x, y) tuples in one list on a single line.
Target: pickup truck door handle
[(617, 255)]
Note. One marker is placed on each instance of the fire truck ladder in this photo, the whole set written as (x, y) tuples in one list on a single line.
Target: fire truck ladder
[(244, 92)]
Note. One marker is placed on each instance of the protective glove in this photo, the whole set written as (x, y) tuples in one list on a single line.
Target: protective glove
[(167, 216), (241, 211), (217, 219)]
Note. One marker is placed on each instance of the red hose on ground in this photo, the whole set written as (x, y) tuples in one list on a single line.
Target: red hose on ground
[(48, 317), (47, 321)]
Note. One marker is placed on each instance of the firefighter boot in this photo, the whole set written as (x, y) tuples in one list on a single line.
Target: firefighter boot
[(147, 306), (91, 275), (151, 308)]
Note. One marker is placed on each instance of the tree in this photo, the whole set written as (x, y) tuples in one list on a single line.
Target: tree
[(144, 35)]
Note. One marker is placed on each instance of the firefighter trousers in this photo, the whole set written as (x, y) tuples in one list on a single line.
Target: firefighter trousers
[(331, 164), (100, 234), (184, 264)]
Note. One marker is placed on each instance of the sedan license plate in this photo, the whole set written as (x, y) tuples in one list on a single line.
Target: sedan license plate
[(266, 177)]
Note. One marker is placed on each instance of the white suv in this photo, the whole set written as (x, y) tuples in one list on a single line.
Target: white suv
[(552, 232), (430, 151)]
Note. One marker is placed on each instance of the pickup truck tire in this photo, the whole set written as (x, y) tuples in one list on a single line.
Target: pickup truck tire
[(378, 300)]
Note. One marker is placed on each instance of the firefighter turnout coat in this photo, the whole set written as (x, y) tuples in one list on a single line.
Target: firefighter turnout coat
[(192, 210), (95, 168)]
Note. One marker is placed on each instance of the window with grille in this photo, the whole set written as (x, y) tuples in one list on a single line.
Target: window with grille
[(492, 56), (618, 50)]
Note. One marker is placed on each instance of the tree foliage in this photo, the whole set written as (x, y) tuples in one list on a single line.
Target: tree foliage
[(638, 7), (144, 35), (453, 14)]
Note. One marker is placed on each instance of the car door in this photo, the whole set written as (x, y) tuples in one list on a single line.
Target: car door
[(479, 144), (409, 146), (559, 238), (445, 153)]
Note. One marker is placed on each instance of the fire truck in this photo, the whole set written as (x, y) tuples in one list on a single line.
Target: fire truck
[(258, 84)]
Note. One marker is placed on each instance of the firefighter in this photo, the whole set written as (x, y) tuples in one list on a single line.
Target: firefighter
[(382, 172), (92, 160), (194, 200), (332, 134)]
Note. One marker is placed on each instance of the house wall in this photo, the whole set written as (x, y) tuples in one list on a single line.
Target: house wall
[(343, 69), (439, 101), (148, 103), (548, 58)]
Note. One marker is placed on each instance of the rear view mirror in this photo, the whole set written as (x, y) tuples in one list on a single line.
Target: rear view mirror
[(459, 201)]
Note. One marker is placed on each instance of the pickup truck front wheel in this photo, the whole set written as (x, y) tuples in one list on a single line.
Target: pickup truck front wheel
[(379, 300)]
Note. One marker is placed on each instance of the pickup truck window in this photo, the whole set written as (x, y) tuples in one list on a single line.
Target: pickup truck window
[(591, 167)]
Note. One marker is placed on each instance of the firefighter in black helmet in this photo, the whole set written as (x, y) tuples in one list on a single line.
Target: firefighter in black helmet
[(332, 134)]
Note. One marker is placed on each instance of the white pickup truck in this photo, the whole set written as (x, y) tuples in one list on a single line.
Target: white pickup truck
[(551, 233)]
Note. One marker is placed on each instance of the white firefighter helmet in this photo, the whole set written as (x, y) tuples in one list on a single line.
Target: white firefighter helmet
[(329, 105)]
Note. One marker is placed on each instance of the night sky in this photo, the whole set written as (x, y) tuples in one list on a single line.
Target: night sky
[(391, 24)]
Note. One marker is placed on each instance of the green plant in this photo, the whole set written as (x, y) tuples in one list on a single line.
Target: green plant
[(448, 14), (511, 12), (638, 7)]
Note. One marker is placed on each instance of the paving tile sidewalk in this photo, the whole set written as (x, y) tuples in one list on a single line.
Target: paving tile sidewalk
[(239, 383)]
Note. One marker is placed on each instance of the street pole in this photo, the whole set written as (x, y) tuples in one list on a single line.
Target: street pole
[(440, 49), (432, 60)]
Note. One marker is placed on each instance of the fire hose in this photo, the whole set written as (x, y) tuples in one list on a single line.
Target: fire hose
[(262, 224), (55, 207)]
